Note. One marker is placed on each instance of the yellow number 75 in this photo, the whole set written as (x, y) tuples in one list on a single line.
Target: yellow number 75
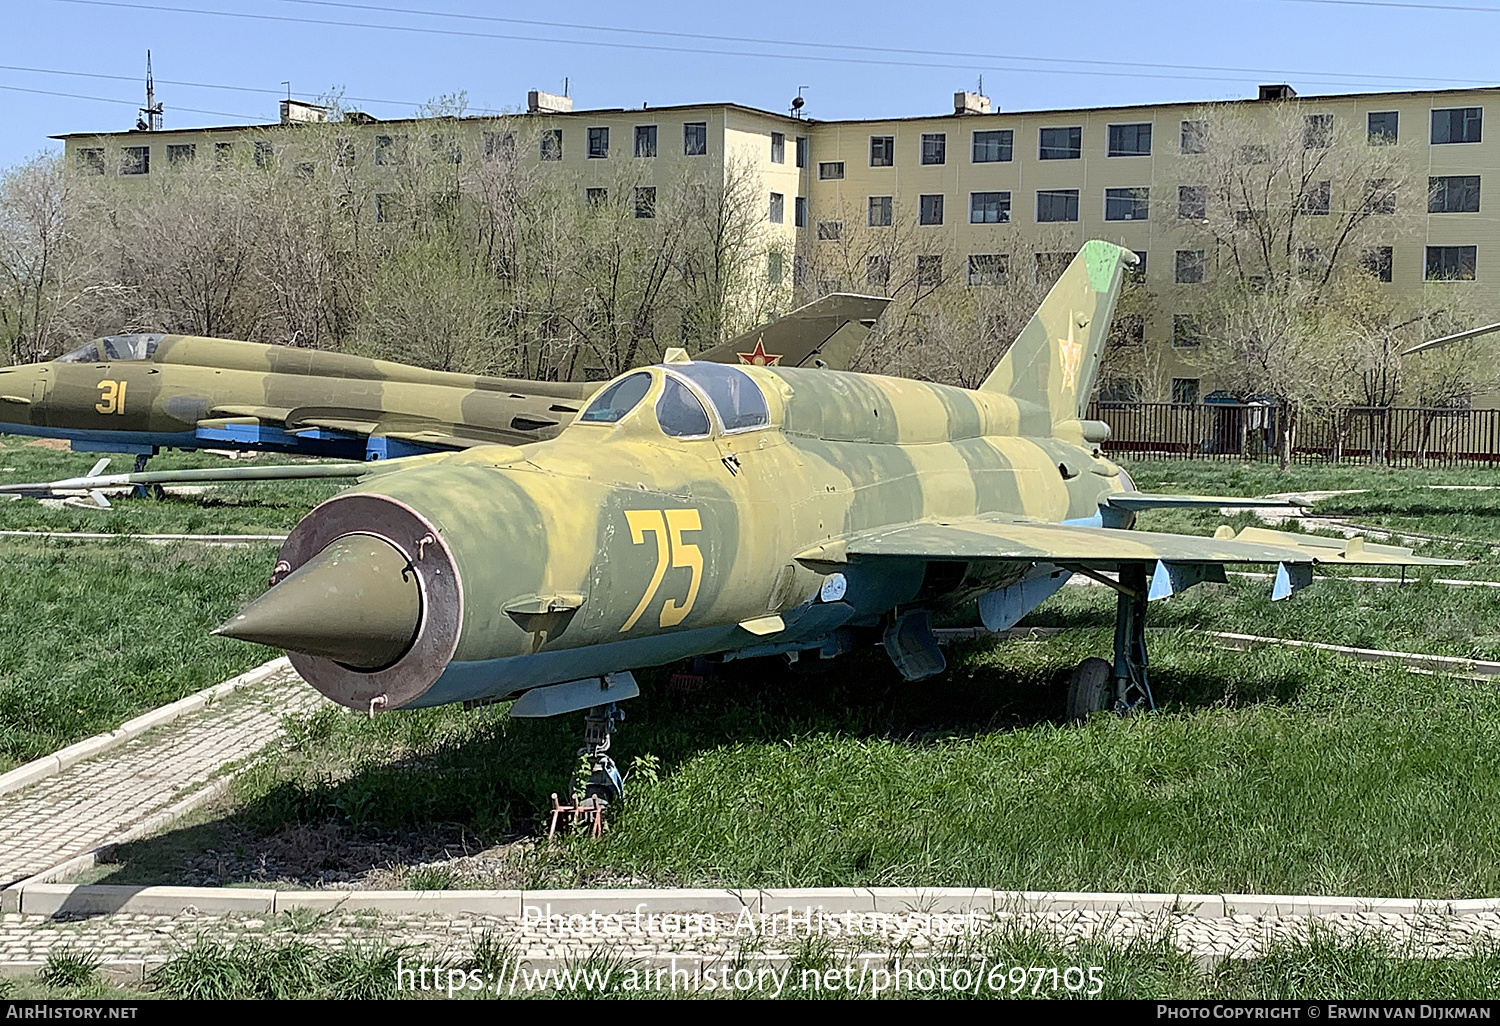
[(667, 526)]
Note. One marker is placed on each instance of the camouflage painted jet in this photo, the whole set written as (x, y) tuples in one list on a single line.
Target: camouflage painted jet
[(702, 510), (141, 393)]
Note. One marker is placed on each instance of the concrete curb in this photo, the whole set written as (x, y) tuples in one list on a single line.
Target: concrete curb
[(1413, 660), (51, 899), (154, 539), (1456, 665), (50, 765)]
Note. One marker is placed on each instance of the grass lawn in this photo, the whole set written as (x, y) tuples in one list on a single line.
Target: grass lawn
[(1264, 771), (94, 633), (1322, 967), (1271, 771)]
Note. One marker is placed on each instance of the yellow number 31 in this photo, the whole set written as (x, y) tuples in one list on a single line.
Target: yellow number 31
[(111, 397), (667, 526)]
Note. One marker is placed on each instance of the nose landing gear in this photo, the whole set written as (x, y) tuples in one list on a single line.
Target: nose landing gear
[(599, 778)]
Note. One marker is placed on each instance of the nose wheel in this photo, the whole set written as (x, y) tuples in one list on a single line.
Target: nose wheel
[(598, 780)]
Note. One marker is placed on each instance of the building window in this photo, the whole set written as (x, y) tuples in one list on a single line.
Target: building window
[(1138, 272), (645, 140), (1127, 204), (223, 154), (1050, 266), (1120, 390), (90, 161), (1057, 205), (645, 201), (989, 208), (930, 270), (831, 170), (598, 143), (880, 212), (799, 211), (1317, 131), (552, 144), (1457, 125), (179, 154), (1127, 330), (1382, 127), (1317, 198), (304, 169), (1380, 196), (388, 208), (1451, 263), (778, 150), (934, 148), (801, 151), (883, 150), (1185, 391), (446, 148), (930, 209), (878, 270), (135, 160), (695, 139), (774, 261), (499, 145), (596, 197), (830, 231), (799, 270), (1189, 270), (1192, 202), (391, 149), (1377, 261), (1185, 333), (265, 154), (993, 147), (1453, 194), (778, 209), (988, 268), (1309, 261), (1194, 137), (1061, 143), (1130, 140)]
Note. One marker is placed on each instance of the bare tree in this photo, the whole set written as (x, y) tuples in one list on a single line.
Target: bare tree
[(953, 316), (47, 286)]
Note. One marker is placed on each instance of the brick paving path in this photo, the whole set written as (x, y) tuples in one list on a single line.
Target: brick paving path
[(152, 939), (95, 801)]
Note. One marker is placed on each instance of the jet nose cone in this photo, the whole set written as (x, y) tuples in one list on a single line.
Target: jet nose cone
[(356, 602)]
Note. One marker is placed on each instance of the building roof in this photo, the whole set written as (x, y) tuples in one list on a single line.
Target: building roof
[(591, 112), (598, 111), (1300, 98)]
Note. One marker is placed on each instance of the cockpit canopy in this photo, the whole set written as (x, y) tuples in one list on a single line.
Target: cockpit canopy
[(736, 400), (114, 348)]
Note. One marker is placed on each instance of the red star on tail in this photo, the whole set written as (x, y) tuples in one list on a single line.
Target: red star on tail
[(758, 357)]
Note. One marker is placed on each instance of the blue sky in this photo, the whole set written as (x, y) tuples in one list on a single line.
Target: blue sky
[(1141, 51)]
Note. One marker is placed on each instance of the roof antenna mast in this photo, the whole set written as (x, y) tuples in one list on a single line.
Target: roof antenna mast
[(150, 119)]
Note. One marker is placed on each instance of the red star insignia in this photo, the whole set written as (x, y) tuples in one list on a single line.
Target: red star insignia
[(758, 357)]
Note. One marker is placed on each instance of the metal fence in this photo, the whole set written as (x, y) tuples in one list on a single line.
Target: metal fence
[(1392, 436)]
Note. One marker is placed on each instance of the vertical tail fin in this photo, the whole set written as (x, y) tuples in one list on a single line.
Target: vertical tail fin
[(1050, 369)]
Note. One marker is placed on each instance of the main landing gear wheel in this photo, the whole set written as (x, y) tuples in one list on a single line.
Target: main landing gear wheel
[(1121, 686), (1091, 689)]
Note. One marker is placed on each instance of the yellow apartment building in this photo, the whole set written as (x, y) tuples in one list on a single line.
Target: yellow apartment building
[(996, 191)]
